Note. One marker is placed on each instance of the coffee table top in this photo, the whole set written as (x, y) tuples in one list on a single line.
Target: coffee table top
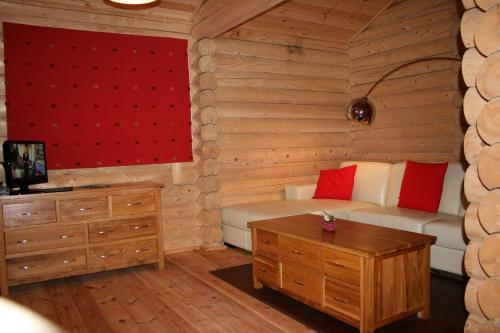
[(358, 238)]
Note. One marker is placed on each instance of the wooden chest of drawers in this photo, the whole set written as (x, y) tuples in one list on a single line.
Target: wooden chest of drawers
[(364, 275), (52, 235)]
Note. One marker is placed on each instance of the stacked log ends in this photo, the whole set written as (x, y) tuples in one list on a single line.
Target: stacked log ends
[(471, 62), (489, 166), (469, 24), (204, 66), (487, 32), (473, 104), (488, 255), (488, 76), (489, 212), (481, 69), (488, 122)]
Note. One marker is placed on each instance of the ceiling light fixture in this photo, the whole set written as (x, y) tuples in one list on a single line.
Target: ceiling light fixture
[(362, 110), (133, 4)]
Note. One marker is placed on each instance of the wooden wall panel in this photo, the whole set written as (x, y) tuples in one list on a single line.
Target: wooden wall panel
[(172, 18), (418, 108), (280, 114)]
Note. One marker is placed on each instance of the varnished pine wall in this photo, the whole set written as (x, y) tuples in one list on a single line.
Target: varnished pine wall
[(418, 108), (280, 112), (180, 207)]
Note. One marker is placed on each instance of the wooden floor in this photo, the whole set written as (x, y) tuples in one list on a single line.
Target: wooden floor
[(183, 297)]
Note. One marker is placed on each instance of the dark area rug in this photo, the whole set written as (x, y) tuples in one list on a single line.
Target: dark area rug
[(448, 312)]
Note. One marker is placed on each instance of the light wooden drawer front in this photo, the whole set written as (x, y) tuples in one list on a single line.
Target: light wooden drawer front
[(342, 299), (45, 266), (267, 272), (121, 229), (300, 252), (41, 238), (341, 265), (124, 254), (131, 204), (38, 212), (302, 283), (84, 209), (267, 244)]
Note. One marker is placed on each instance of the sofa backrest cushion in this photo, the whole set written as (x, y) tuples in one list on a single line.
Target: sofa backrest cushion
[(451, 199), (370, 181)]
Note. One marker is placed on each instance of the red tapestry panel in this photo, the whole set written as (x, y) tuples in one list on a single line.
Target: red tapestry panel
[(98, 99)]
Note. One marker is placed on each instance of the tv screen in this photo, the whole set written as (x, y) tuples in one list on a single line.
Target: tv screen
[(24, 163)]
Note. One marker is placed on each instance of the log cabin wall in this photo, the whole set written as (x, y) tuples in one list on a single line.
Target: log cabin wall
[(280, 96), (180, 207), (418, 107)]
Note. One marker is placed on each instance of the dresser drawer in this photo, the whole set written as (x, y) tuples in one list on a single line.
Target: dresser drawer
[(45, 266), (300, 252), (41, 238), (342, 266), (342, 299), (267, 272), (84, 209), (29, 213), (131, 204), (302, 283), (121, 229), (267, 244), (123, 254)]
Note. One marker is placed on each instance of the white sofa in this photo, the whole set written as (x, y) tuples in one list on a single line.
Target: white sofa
[(374, 201)]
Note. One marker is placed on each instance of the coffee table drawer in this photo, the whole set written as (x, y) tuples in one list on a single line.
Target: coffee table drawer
[(267, 244), (302, 283), (342, 266), (267, 272), (342, 299), (297, 251)]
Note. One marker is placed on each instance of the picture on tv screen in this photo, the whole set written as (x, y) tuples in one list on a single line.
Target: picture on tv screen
[(27, 160)]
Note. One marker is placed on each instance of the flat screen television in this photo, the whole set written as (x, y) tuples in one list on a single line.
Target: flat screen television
[(24, 164)]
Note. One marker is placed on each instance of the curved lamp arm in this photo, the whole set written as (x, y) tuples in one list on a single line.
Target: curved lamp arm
[(361, 110)]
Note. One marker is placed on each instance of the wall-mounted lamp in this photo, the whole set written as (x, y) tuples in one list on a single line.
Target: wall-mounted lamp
[(133, 4), (362, 111)]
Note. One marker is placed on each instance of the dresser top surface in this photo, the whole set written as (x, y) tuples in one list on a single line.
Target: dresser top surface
[(359, 238)]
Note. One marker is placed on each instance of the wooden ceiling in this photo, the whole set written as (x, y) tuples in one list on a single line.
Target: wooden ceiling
[(336, 21)]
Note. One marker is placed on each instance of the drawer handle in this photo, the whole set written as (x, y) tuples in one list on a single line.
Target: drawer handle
[(84, 209), (263, 269), (298, 282), (336, 263), (341, 299), (137, 227), (66, 236), (300, 253), (24, 241), (137, 203), (67, 261), (266, 241), (25, 268), (103, 256), (29, 214), (141, 250), (101, 232)]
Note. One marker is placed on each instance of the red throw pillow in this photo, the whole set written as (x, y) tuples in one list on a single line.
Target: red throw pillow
[(335, 183), (422, 186)]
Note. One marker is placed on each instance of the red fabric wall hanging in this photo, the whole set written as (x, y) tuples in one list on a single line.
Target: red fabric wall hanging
[(98, 99)]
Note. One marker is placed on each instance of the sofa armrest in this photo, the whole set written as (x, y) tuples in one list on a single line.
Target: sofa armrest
[(297, 192)]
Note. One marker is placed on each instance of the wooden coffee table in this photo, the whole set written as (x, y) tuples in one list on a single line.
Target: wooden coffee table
[(364, 275)]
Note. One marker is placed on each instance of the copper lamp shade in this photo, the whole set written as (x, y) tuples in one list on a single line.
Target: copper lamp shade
[(361, 110)]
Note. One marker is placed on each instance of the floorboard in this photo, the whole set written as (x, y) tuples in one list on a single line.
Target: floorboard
[(183, 297)]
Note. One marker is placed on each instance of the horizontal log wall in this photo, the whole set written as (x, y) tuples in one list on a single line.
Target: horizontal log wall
[(280, 113), (418, 107), (180, 204)]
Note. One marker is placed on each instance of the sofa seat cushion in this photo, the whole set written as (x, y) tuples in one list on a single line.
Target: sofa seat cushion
[(449, 232), (395, 217), (340, 208), (239, 215)]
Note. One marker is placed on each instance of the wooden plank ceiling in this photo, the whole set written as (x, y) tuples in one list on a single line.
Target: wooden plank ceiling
[(336, 21)]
